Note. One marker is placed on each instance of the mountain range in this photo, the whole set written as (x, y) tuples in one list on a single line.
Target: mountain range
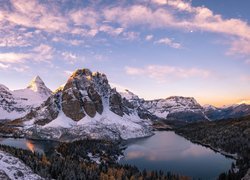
[(87, 106)]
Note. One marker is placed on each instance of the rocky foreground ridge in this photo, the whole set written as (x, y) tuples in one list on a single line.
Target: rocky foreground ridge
[(13, 168)]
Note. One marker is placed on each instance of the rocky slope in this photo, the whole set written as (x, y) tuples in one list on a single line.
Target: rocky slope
[(12, 168), (86, 107), (172, 108), (17, 103)]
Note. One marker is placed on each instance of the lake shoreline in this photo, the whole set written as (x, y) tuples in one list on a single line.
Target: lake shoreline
[(226, 154), (131, 152)]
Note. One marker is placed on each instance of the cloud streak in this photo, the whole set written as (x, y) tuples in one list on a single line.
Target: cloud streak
[(169, 42), (164, 73), (14, 58)]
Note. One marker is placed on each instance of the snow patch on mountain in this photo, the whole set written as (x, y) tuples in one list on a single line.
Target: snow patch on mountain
[(128, 126), (13, 168), (129, 95), (62, 121)]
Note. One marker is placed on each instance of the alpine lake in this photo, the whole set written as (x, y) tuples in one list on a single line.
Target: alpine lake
[(164, 151)]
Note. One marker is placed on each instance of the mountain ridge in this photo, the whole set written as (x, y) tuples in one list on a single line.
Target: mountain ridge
[(186, 108), (85, 107)]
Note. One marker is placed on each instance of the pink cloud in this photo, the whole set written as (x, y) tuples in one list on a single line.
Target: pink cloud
[(198, 18), (240, 46), (31, 13), (87, 16), (149, 37), (14, 58), (163, 73), (169, 42)]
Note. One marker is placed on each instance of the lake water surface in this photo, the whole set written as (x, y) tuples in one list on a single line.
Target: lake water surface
[(165, 151), (168, 151), (40, 146)]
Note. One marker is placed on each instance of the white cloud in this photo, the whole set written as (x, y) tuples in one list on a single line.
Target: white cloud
[(92, 32), (149, 37), (240, 46), (110, 30), (197, 18), (14, 58), (32, 13), (21, 61), (169, 42), (116, 20), (88, 17), (4, 66), (163, 73), (68, 73), (160, 2), (131, 36), (10, 39), (43, 53), (69, 57), (14, 61), (74, 42), (22, 68)]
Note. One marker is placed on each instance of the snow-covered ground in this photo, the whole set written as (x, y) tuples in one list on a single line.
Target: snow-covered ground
[(106, 125), (247, 176), (13, 168)]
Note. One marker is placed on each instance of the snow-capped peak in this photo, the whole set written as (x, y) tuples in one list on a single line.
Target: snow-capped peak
[(35, 84), (17, 103), (129, 95), (209, 107)]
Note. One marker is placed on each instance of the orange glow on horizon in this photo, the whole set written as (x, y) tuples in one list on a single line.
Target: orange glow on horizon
[(224, 102)]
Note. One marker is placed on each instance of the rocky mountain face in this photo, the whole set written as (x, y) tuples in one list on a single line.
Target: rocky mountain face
[(172, 108), (234, 111), (17, 103), (85, 107)]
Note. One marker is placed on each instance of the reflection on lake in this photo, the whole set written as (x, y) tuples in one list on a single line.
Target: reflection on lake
[(170, 152), (41, 146)]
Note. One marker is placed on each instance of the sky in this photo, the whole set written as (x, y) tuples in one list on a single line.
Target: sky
[(154, 48)]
